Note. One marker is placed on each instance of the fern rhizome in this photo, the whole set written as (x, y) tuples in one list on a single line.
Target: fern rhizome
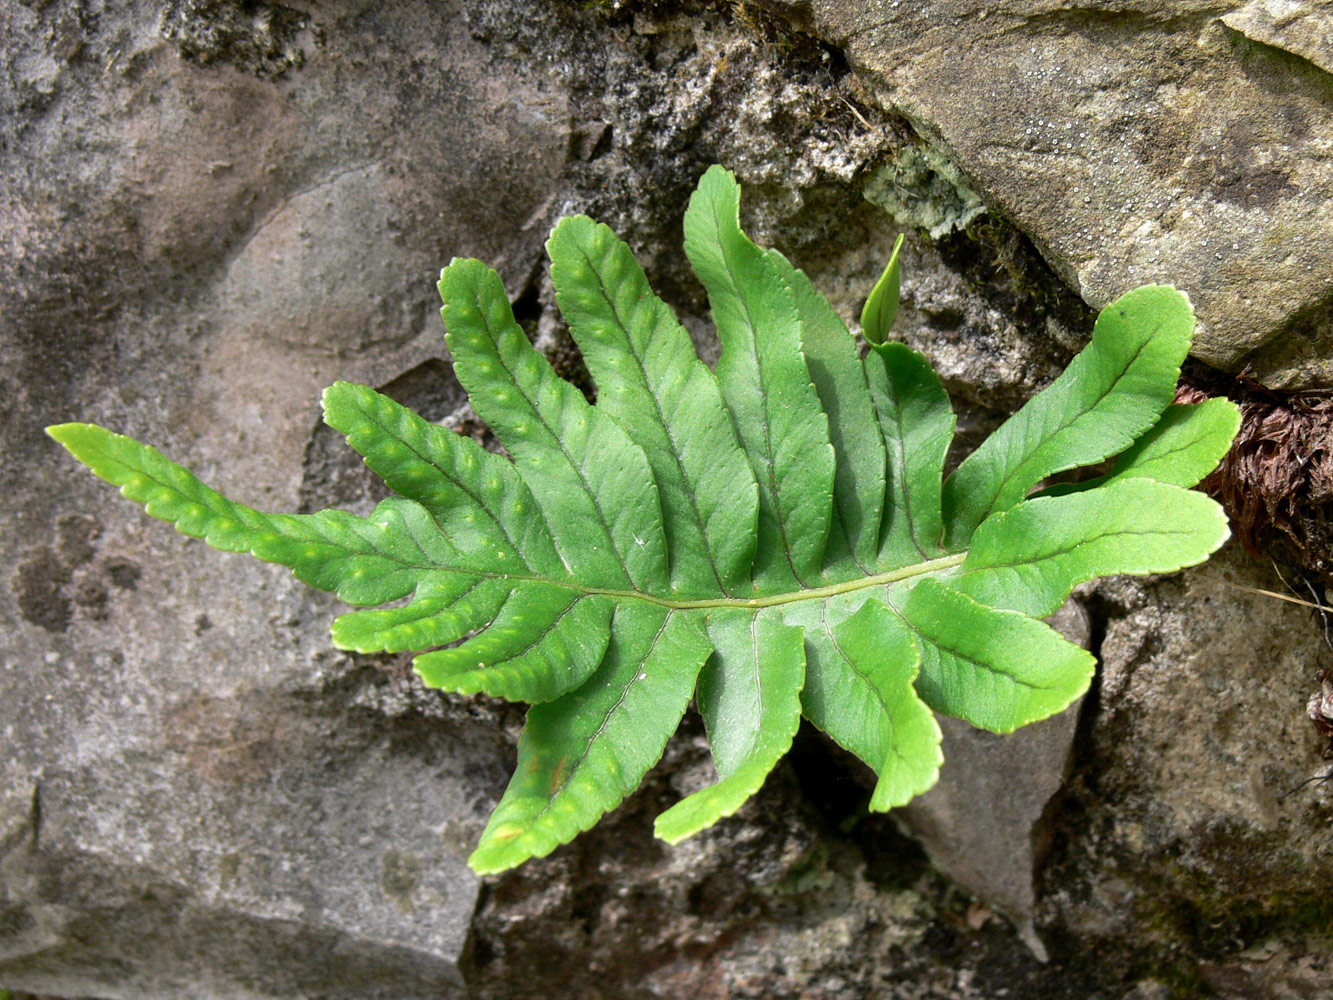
[(772, 538)]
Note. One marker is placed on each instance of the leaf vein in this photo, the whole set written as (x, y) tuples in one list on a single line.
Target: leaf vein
[(976, 664), (767, 454), (1035, 559), (901, 446), (573, 769), (476, 499), (1067, 421), (869, 683), (661, 418), (576, 466)]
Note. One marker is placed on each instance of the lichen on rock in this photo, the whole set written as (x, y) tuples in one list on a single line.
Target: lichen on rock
[(921, 189), (255, 36)]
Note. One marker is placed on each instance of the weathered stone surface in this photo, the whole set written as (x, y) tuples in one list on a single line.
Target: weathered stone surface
[(200, 798), (802, 895), (1135, 142), (983, 823), (1303, 29), (208, 215), (1184, 821)]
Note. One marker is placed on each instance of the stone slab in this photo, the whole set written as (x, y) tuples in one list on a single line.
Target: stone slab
[(1135, 142), (198, 795)]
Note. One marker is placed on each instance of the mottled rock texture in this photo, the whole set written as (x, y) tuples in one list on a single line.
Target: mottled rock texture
[(209, 209), (984, 822), (1187, 818), (1135, 141), (200, 797)]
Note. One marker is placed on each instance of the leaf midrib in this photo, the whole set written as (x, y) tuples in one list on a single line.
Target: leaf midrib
[(754, 603), (666, 425), (767, 456), (1067, 421)]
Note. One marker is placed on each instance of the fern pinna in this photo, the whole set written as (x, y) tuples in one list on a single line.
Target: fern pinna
[(773, 538)]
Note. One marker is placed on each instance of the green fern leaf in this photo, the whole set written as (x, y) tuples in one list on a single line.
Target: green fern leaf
[(766, 387), (774, 539), (1109, 395), (1180, 449), (881, 307), (750, 698)]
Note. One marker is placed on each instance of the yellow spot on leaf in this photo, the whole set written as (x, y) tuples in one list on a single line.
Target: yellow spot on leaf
[(558, 774)]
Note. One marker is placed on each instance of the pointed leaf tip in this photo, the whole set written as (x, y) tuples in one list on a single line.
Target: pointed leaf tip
[(881, 308), (72, 435), (749, 695)]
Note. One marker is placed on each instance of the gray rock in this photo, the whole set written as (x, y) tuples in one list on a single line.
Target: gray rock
[(1184, 819), (1135, 143), (207, 218), (783, 900), (1167, 865), (983, 823), (1303, 29), (200, 798)]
